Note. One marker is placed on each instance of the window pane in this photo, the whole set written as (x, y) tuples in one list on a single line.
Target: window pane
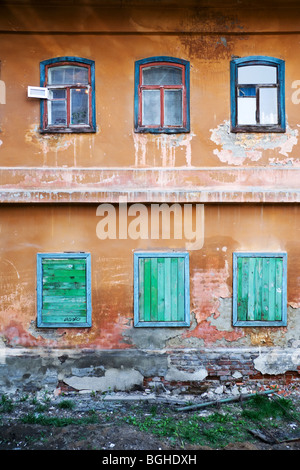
[(246, 111), (173, 108), (162, 75), (68, 75), (151, 107), (57, 113), (257, 74), (246, 91), (79, 106), (268, 112), (58, 94)]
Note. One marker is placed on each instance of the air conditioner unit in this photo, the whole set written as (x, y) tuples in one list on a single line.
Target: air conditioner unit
[(37, 92)]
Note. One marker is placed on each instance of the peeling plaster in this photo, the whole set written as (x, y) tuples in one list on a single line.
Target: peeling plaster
[(48, 142), (238, 147), (174, 374), (277, 361), (167, 144), (113, 379)]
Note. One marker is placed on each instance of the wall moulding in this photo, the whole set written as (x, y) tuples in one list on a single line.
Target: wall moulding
[(198, 185)]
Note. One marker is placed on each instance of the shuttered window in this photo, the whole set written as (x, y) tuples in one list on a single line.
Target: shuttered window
[(63, 290), (161, 289), (259, 289)]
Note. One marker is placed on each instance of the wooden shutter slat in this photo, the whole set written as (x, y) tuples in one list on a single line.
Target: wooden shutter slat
[(147, 290), (278, 289), (142, 288), (181, 293), (161, 275), (153, 315), (174, 284), (168, 291)]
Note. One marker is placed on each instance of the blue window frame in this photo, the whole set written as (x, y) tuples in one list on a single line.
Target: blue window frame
[(70, 106), (257, 94), (259, 289), (161, 289), (63, 290), (161, 98)]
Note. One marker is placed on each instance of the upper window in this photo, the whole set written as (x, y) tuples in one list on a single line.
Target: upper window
[(257, 95), (70, 106), (162, 95)]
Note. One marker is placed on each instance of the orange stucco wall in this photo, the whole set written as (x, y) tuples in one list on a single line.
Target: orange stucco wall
[(27, 230), (52, 184)]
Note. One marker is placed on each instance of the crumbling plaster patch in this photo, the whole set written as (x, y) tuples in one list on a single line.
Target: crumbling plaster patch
[(113, 380), (238, 147), (174, 375), (278, 361), (152, 338)]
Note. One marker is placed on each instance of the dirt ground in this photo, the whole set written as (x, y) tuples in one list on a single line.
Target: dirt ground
[(109, 431)]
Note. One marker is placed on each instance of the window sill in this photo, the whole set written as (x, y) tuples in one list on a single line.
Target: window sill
[(257, 129), (64, 130), (157, 130), (251, 324)]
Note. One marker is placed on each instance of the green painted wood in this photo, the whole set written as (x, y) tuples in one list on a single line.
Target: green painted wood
[(259, 289), (168, 289), (243, 289), (64, 296), (153, 315), (272, 290), (278, 289), (66, 317), (180, 286), (147, 290), (161, 289), (251, 291), (142, 288)]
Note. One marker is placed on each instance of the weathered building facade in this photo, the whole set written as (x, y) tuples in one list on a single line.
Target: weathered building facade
[(150, 198)]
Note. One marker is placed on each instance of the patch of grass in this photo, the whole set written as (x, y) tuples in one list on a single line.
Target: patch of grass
[(43, 420), (261, 407), (212, 430), (218, 428), (6, 404), (66, 405)]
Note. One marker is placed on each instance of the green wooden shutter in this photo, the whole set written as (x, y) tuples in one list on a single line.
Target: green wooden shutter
[(161, 287), (63, 291), (259, 289)]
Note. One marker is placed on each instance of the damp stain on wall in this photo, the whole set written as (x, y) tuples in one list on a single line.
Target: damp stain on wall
[(166, 150)]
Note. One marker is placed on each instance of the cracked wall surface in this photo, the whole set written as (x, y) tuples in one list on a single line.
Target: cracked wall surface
[(52, 184)]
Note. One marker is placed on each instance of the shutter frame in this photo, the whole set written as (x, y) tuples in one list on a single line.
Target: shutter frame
[(259, 289), (154, 288), (63, 290)]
